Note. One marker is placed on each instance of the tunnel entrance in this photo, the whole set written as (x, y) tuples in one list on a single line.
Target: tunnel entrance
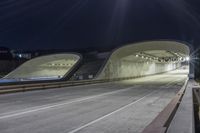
[(146, 58)]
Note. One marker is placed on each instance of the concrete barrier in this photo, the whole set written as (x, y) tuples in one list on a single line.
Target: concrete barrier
[(179, 114), (183, 120), (161, 123)]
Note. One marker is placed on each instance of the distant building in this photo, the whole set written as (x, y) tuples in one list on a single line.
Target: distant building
[(22, 55), (5, 54)]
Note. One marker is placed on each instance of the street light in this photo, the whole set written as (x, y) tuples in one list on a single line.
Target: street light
[(187, 58)]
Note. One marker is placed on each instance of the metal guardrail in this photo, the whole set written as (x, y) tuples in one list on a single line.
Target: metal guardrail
[(53, 84), (48, 84), (161, 123)]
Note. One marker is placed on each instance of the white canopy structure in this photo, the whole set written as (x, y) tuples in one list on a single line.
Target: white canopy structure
[(145, 58), (54, 66)]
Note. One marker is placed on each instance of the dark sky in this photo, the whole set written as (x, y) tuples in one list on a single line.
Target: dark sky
[(67, 24)]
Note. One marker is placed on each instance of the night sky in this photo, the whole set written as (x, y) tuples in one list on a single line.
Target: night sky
[(72, 24)]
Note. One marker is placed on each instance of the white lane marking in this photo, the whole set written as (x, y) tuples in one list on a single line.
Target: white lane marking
[(48, 106), (118, 110)]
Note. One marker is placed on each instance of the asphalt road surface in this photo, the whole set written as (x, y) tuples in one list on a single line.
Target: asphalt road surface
[(120, 107)]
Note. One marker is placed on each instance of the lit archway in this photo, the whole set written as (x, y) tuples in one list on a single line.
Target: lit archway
[(145, 58)]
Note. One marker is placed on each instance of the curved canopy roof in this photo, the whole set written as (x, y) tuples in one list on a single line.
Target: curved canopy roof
[(157, 47), (145, 58), (54, 66), (159, 51)]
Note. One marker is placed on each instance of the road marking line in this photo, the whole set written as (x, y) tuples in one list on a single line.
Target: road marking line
[(99, 119), (118, 110), (44, 107), (48, 106)]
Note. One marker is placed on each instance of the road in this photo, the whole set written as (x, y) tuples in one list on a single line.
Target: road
[(120, 107)]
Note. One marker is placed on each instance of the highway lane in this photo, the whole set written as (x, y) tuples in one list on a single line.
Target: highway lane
[(126, 106)]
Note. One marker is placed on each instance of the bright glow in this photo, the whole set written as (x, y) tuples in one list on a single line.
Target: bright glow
[(136, 55), (187, 58)]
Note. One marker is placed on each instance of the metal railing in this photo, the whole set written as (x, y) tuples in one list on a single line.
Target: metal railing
[(49, 84), (28, 86)]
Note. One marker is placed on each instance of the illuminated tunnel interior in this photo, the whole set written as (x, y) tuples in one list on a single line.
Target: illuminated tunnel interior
[(54, 66), (145, 58)]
